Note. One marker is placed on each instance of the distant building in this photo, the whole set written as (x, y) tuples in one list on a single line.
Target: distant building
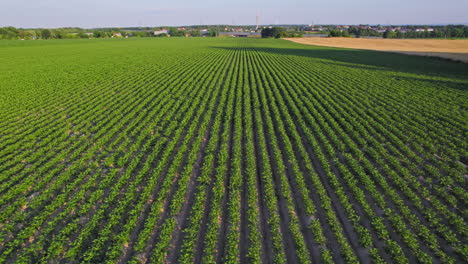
[(204, 32), (117, 35), (160, 32), (424, 29)]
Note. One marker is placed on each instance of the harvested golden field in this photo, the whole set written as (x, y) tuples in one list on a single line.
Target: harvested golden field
[(445, 48)]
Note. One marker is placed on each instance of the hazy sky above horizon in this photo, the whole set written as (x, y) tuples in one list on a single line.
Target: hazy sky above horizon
[(120, 13)]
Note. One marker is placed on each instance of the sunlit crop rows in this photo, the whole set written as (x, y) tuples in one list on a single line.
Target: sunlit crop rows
[(230, 150)]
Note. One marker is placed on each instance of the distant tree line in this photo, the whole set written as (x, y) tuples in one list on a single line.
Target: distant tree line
[(411, 31), (450, 31), (79, 33), (447, 33), (64, 33)]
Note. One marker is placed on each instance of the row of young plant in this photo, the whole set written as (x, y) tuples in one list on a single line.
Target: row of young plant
[(293, 134), (231, 247), (285, 86), (212, 161), (110, 125), (36, 158), (255, 251), (180, 189), (74, 150), (340, 112), (36, 203), (411, 194), (350, 184), (284, 133), (72, 118), (119, 239), (58, 105), (296, 224), (420, 133), (87, 115), (211, 251), (271, 193), (118, 213), (158, 211), (81, 110), (400, 144), (48, 119)]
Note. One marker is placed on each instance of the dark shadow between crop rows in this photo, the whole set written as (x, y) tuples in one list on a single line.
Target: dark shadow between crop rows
[(375, 60), (454, 84)]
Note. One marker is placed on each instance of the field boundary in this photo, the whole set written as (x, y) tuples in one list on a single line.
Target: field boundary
[(454, 50)]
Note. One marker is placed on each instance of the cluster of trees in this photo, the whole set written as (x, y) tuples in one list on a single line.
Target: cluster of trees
[(451, 31), (14, 33), (273, 32), (63, 33), (338, 33), (279, 32), (358, 31), (174, 32), (76, 33), (456, 32)]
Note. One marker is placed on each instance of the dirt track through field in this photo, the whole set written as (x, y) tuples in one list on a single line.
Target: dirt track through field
[(444, 48)]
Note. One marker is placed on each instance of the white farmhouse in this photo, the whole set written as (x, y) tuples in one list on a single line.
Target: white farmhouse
[(159, 32)]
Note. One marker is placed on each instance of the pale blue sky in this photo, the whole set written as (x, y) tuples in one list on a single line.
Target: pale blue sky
[(119, 13)]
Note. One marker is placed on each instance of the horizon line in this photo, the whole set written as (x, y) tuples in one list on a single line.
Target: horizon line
[(253, 25)]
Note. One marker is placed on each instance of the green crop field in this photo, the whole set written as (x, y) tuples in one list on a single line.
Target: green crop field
[(230, 150)]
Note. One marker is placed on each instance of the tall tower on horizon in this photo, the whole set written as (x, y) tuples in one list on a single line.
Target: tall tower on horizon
[(257, 19)]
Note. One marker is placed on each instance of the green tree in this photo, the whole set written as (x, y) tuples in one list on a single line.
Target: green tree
[(9, 33), (335, 33), (82, 35), (98, 34), (60, 34), (195, 33), (46, 34), (174, 32), (213, 32), (399, 34), (274, 32), (389, 34), (439, 34), (456, 33)]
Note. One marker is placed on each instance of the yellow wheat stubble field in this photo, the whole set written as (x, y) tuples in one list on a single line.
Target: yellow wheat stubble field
[(456, 49)]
